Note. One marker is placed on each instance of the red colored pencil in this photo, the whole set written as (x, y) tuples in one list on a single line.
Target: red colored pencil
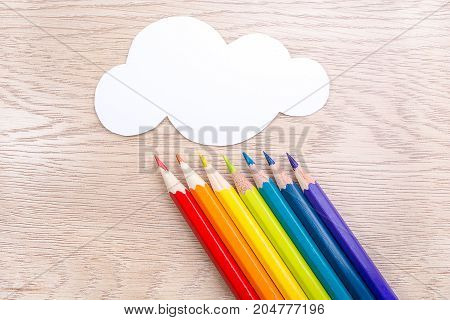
[(207, 236)]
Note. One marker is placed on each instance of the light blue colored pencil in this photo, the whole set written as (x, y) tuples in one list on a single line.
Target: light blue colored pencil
[(298, 234)]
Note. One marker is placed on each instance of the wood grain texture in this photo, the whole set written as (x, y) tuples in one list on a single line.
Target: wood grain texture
[(84, 214)]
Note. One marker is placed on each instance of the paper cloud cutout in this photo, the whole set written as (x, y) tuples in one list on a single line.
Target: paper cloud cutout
[(214, 93)]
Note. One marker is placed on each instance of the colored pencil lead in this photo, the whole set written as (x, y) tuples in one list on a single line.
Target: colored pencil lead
[(204, 161), (292, 161), (269, 159), (302, 177), (160, 163), (179, 158), (230, 166), (248, 159)]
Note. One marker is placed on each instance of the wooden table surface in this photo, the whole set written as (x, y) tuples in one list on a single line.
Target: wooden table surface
[(84, 214)]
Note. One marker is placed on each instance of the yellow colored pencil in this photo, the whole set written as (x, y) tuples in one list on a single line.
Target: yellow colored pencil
[(254, 236), (277, 236)]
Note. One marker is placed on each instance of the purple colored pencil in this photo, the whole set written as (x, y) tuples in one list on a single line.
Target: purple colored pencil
[(343, 235)]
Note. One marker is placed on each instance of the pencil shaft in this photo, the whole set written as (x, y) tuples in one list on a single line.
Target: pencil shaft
[(303, 241), (326, 243), (235, 243), (260, 245), (213, 245), (283, 244), (348, 242)]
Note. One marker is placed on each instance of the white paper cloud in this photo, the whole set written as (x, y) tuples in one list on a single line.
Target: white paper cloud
[(182, 68)]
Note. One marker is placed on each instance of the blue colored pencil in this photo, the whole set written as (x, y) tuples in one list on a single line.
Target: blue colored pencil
[(298, 234), (342, 233), (320, 234)]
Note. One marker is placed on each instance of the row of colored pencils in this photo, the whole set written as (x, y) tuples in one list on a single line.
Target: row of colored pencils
[(274, 240)]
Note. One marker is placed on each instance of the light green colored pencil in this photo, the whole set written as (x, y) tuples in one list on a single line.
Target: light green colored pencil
[(277, 236)]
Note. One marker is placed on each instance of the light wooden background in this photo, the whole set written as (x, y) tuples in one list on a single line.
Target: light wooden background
[(83, 217)]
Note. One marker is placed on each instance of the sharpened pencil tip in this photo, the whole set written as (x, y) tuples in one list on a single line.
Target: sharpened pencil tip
[(179, 158), (294, 164), (230, 166), (203, 160), (269, 159), (160, 163), (248, 159)]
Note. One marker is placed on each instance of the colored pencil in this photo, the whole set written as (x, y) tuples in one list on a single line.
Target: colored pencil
[(207, 236), (320, 234), (277, 236), (253, 234), (297, 232), (342, 233), (229, 234)]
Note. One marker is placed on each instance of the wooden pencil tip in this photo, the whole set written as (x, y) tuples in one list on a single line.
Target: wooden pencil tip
[(160, 163)]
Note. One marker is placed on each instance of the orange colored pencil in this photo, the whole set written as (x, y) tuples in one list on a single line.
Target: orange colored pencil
[(230, 235)]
